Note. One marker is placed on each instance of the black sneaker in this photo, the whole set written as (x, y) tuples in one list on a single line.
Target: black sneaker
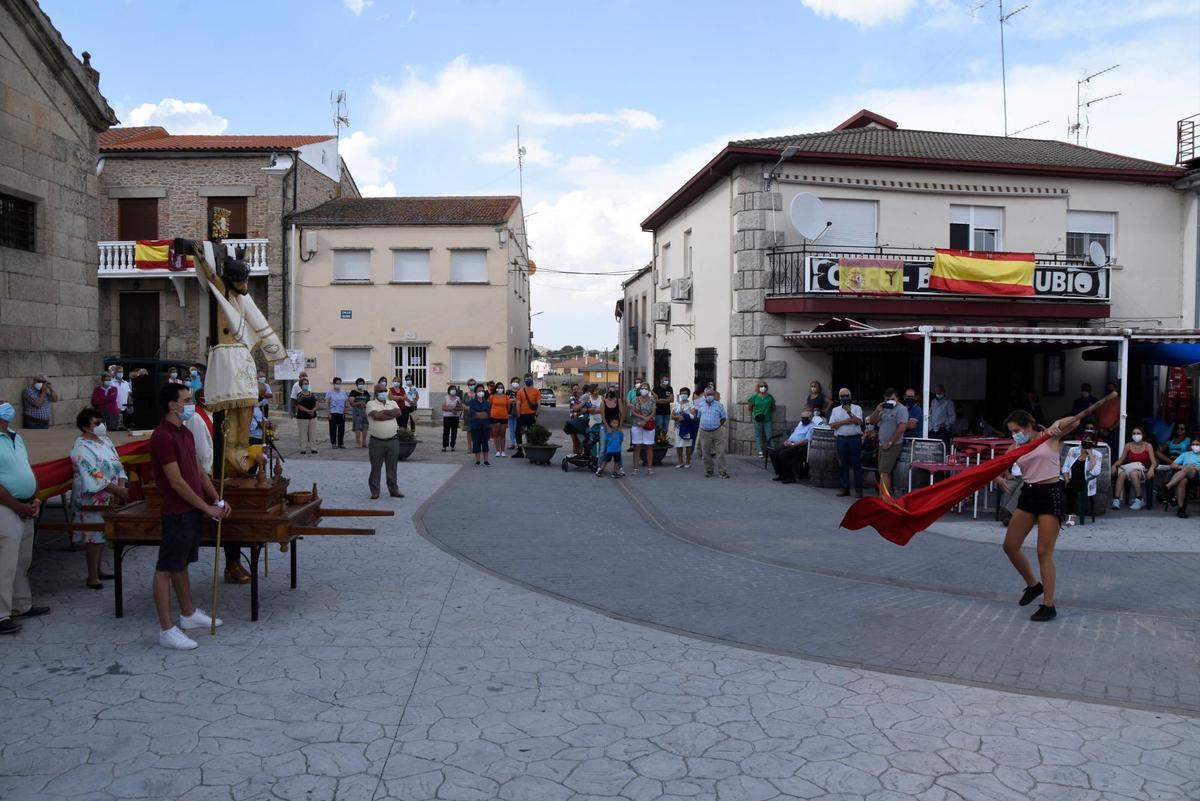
[(1029, 594), (7, 626), (519, 455), (1182, 512), (1043, 614), (33, 611)]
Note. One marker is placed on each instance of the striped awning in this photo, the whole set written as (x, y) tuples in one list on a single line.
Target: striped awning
[(983, 334)]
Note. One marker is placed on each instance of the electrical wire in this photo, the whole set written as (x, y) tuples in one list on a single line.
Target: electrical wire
[(582, 272)]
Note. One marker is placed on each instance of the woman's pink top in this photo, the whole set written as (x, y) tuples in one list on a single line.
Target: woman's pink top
[(1142, 458), (1041, 464)]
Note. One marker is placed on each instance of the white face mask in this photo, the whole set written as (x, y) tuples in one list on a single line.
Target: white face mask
[(1136, 438), (480, 394), (644, 391), (514, 385), (762, 389), (1196, 449), (100, 430), (38, 386), (337, 387), (453, 393), (408, 383)]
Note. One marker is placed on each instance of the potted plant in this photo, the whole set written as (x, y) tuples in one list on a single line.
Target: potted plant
[(662, 444), (538, 448), (408, 443)]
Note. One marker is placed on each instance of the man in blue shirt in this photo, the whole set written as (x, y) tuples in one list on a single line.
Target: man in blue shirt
[(941, 416), (18, 508), (915, 415), (711, 436), (791, 460), (1187, 470)]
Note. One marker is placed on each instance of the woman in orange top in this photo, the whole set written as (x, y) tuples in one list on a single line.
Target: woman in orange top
[(501, 407)]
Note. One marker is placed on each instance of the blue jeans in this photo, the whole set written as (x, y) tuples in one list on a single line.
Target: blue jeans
[(762, 434), (512, 433), (30, 423), (849, 453), (662, 422)]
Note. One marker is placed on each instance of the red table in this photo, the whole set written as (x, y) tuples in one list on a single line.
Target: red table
[(993, 444)]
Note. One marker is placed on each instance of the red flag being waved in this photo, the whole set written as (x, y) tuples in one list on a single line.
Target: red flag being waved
[(897, 521)]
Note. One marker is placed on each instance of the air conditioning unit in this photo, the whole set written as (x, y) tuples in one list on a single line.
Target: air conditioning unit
[(662, 312), (681, 290)]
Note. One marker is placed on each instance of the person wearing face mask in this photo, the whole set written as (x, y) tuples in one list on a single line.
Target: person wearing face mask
[(791, 459), (336, 397), (528, 403), (761, 406), (1138, 461), (264, 394), (479, 413), (942, 416), (195, 382), (173, 377), (612, 410), (1178, 442), (187, 497), (452, 409), (36, 398), (18, 508), (306, 416), (501, 409), (104, 401), (384, 451), (1185, 472), (664, 396), (514, 384), (412, 398), (711, 417), (816, 399), (891, 420), (357, 400), (1042, 503), (98, 479), (396, 393), (846, 420), (124, 394), (916, 415), (683, 412), (467, 397), (642, 429), (1082, 465), (300, 379)]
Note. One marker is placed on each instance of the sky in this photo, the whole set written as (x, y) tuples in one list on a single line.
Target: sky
[(620, 102)]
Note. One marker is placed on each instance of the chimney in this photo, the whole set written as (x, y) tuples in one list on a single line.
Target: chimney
[(90, 71)]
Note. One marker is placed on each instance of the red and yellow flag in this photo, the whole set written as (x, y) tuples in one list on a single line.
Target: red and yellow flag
[(871, 276), (973, 272), (152, 254)]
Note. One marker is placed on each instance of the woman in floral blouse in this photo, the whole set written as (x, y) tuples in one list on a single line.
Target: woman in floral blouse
[(99, 477)]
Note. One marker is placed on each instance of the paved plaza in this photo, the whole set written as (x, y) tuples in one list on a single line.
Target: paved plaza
[(518, 632)]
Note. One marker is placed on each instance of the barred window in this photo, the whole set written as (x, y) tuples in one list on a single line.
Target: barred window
[(17, 223)]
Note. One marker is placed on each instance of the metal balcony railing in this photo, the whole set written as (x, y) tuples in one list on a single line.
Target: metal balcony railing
[(116, 259)]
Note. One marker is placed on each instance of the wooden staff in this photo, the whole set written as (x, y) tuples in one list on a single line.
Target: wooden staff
[(1081, 416), (220, 502)]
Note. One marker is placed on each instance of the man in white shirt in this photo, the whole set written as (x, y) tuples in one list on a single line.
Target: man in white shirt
[(383, 448), (791, 459), (124, 393), (846, 420)]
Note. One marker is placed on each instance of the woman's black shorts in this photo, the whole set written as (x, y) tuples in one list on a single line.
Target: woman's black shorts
[(1043, 499)]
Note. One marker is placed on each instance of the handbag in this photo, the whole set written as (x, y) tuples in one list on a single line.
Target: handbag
[(649, 424)]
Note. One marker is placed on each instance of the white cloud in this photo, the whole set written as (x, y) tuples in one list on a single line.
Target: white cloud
[(179, 117), (631, 118), (359, 149), (865, 13), (357, 7), (536, 152), (479, 97), (386, 189)]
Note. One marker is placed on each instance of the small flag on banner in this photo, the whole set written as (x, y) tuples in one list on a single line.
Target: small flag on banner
[(871, 276), (973, 272)]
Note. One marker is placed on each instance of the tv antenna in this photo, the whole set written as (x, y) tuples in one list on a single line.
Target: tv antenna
[(520, 166), (1004, 18), (1081, 121), (1029, 127), (341, 112)]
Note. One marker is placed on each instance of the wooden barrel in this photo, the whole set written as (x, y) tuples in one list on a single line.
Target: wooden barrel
[(822, 458), (1104, 483)]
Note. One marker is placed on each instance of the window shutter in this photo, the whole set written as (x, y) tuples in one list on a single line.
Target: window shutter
[(854, 223)]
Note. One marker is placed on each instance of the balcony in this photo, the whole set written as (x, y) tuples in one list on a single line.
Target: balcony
[(806, 280), (116, 260)]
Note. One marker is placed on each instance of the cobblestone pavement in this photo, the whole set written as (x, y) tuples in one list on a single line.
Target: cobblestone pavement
[(397, 672)]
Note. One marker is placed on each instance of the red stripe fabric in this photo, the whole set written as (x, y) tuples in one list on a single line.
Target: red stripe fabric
[(898, 521), (977, 287), (58, 472)]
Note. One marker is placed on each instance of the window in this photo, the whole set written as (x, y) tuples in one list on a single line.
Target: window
[(352, 265), (1086, 227), (687, 253), (468, 267), (410, 266), (17, 223), (237, 215), (137, 218), (352, 363), (664, 265), (468, 363), (854, 223), (977, 227)]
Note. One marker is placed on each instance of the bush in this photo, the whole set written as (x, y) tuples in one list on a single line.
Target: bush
[(406, 435), (537, 434)]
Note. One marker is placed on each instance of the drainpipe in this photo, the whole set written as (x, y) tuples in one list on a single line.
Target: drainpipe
[(927, 352)]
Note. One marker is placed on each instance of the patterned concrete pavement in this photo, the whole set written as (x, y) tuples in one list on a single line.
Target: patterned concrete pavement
[(395, 671)]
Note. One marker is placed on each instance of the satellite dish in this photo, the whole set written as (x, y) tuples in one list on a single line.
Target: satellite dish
[(1096, 254), (808, 215)]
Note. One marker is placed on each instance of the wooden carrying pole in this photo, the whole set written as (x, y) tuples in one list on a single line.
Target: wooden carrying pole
[(212, 629)]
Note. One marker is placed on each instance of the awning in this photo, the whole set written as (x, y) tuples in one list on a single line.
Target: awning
[(847, 331), (1177, 354)]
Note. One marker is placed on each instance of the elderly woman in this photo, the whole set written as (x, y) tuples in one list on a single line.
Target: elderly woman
[(38, 395), (683, 412), (99, 478), (642, 428), (104, 401)]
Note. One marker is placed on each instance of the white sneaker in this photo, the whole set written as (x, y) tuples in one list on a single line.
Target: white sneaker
[(198, 620), (174, 638), (1137, 504), (1116, 504)]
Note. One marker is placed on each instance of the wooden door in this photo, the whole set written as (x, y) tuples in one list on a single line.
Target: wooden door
[(137, 218), (139, 324)]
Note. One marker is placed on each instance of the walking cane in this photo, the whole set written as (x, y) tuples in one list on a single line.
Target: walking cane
[(220, 502)]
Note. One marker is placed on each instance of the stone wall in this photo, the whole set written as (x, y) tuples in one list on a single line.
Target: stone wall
[(49, 319), (749, 323)]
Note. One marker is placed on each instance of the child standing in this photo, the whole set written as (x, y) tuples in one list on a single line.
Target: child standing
[(612, 453)]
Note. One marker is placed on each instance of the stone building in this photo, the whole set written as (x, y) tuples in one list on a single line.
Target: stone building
[(741, 292), (51, 110), (155, 185)]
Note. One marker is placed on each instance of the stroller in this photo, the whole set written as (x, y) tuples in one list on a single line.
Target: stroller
[(578, 425)]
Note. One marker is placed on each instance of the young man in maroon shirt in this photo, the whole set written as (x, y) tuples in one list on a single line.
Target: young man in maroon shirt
[(186, 492)]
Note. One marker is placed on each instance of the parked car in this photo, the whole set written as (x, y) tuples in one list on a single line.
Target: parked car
[(548, 397)]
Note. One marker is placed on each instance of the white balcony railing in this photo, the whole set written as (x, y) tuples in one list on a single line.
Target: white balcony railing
[(116, 259)]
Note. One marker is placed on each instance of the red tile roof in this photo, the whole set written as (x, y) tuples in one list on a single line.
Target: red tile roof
[(473, 210), (154, 138)]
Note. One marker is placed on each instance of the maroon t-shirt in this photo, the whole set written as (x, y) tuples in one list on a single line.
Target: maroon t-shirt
[(172, 443)]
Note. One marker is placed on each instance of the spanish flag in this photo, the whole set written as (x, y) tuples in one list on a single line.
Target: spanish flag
[(973, 272), (152, 254), (871, 276)]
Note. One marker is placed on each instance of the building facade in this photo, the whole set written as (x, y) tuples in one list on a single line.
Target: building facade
[(740, 277), (156, 186), (435, 288), (51, 111), (636, 324)]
